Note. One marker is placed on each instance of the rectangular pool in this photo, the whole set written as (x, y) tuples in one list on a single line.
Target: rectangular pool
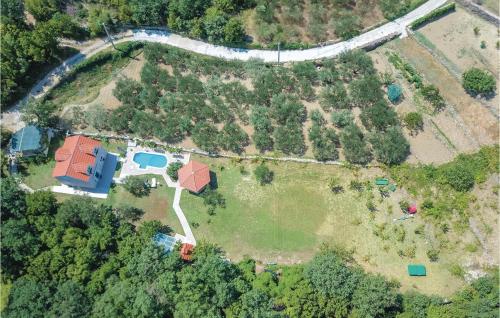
[(150, 159)]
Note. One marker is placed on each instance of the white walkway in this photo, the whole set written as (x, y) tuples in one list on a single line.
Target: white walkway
[(12, 119), (182, 218), (131, 168)]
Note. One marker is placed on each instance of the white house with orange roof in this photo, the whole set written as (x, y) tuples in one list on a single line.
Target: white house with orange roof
[(79, 162)]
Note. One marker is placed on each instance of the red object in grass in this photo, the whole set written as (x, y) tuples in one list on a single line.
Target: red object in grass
[(412, 209), (186, 251)]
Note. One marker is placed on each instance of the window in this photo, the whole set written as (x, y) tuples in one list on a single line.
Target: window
[(96, 150), (89, 170), (97, 175)]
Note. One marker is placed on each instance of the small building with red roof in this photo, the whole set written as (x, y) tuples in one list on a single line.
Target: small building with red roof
[(194, 176), (187, 251), (79, 162)]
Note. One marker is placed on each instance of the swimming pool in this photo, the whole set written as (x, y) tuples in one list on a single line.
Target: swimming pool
[(150, 159)]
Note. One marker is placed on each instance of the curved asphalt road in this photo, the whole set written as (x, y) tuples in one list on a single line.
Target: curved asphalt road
[(12, 119)]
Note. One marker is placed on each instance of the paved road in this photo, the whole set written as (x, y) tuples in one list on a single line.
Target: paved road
[(12, 119)]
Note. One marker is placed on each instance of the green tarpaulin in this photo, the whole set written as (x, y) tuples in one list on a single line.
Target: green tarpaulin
[(381, 181), (417, 270)]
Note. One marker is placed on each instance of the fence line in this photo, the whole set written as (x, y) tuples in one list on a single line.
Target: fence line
[(221, 154)]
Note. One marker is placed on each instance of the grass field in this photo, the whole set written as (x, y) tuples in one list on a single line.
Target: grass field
[(157, 205), (84, 86), (287, 221), (39, 175)]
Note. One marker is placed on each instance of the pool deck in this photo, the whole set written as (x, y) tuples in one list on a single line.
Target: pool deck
[(131, 168)]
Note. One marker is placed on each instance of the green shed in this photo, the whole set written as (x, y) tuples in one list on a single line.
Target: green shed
[(417, 270)]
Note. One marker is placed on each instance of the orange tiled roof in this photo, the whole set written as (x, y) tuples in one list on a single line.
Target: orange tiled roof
[(186, 251), (74, 157), (194, 176)]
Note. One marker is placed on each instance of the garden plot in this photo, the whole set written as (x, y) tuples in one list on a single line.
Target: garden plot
[(476, 123), (458, 39), (431, 144)]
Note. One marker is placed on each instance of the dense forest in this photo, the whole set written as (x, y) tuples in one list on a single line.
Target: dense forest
[(80, 259)]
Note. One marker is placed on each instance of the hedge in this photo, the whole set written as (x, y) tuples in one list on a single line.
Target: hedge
[(433, 15)]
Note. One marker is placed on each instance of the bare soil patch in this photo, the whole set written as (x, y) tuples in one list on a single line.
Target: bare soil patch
[(479, 123), (454, 36)]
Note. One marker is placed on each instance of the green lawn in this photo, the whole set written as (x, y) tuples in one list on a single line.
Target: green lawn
[(39, 175), (157, 205), (288, 221)]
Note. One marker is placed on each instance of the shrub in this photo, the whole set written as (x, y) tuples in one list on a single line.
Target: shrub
[(414, 121), (342, 118), (433, 255), (457, 270), (476, 81), (390, 147), (136, 185), (432, 95), (400, 233), (263, 174), (335, 186), (434, 15), (172, 170), (213, 199), (354, 144), (459, 177), (379, 117), (347, 25)]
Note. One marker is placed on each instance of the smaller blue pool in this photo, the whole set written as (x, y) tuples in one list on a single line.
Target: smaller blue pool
[(150, 159)]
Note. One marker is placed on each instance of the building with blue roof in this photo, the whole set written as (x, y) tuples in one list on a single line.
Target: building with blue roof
[(166, 241), (28, 141)]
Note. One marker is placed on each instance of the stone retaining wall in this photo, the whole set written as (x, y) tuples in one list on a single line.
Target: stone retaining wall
[(480, 11)]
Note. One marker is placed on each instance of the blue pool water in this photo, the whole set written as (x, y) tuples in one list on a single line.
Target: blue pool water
[(150, 159)]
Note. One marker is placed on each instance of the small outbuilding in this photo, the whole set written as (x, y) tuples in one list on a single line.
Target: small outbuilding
[(165, 241), (187, 251), (28, 141), (194, 176)]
